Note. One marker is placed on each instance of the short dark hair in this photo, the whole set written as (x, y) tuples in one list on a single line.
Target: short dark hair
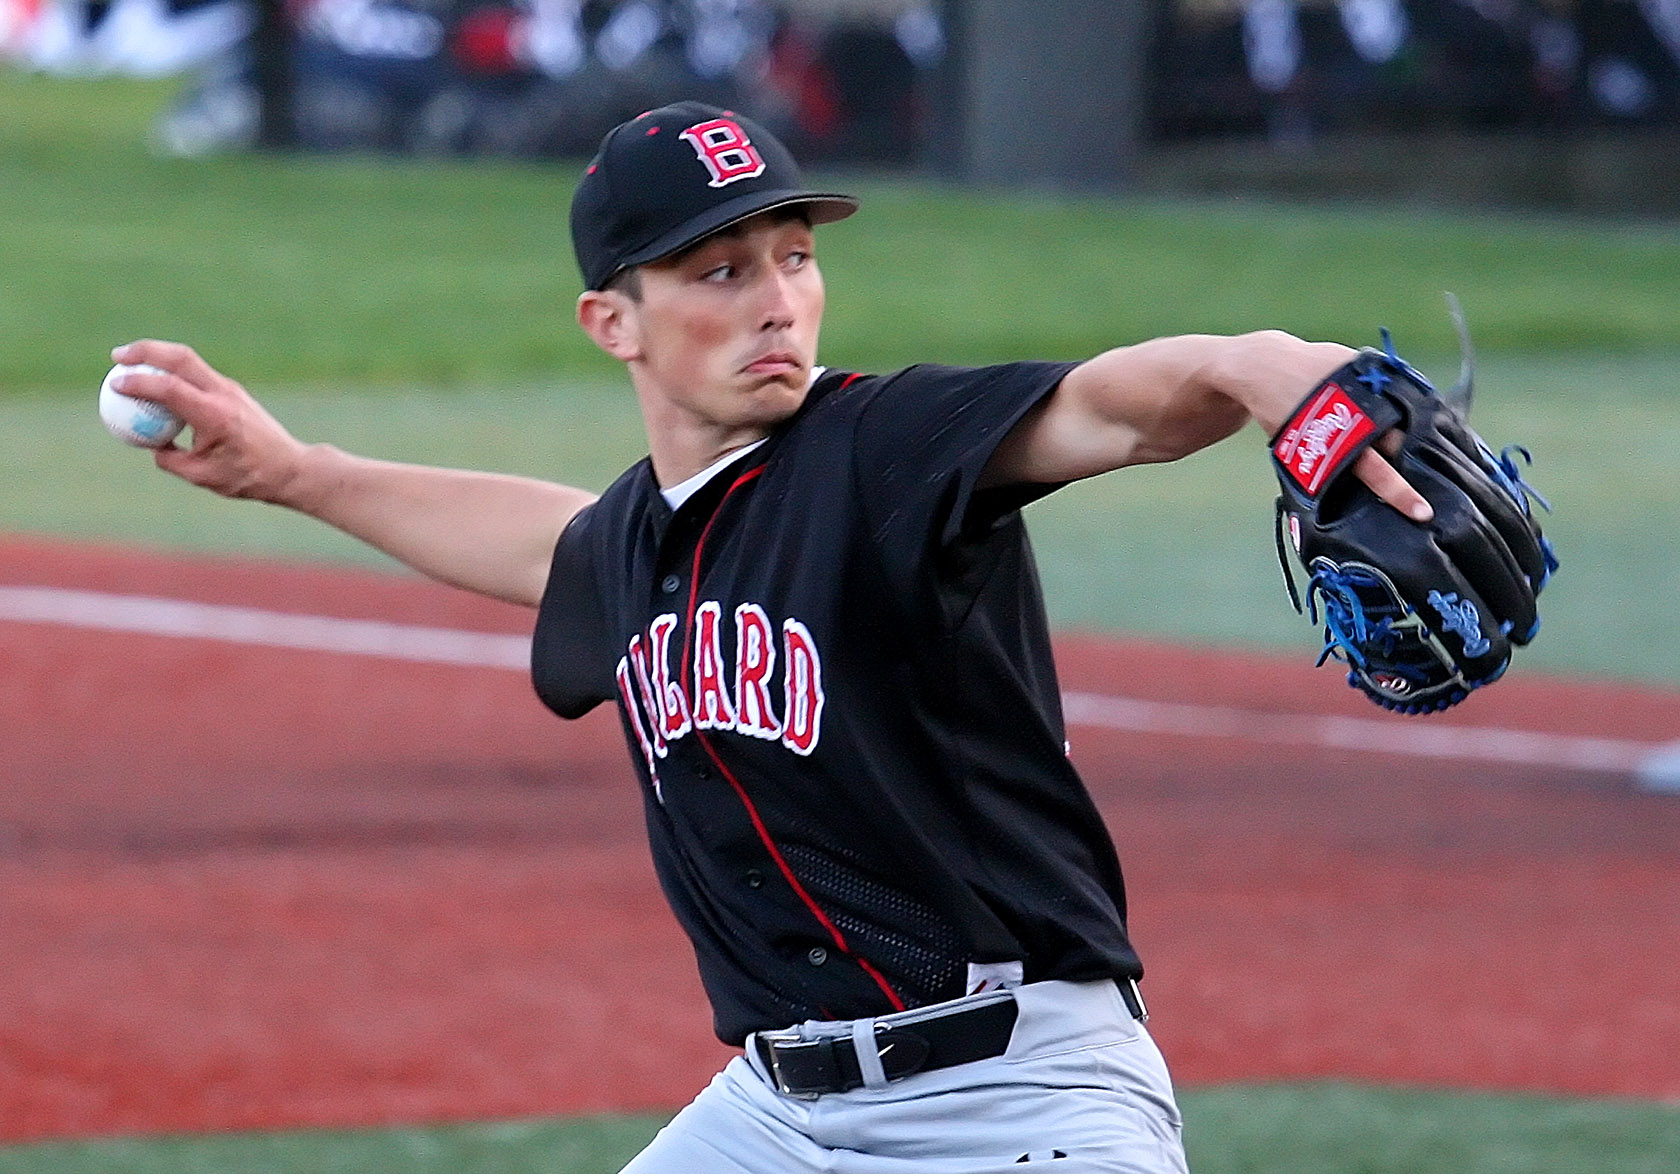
[(627, 281)]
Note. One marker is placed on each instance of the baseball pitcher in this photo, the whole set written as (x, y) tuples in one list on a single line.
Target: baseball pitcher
[(815, 610)]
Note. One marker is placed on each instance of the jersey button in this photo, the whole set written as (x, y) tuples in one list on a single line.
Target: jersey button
[(670, 585), (817, 956), (755, 879)]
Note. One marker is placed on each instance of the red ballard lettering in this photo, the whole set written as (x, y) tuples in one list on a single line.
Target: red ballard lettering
[(720, 694)]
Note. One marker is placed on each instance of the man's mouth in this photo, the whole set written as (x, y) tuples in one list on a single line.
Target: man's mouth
[(774, 363)]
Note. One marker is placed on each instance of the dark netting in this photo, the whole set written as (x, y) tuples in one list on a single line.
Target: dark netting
[(919, 951)]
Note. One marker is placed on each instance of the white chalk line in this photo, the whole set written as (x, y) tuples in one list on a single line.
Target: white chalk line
[(151, 616), (1464, 743), (1656, 765)]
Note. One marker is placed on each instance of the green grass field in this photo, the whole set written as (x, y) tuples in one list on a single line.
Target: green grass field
[(421, 310), (442, 273), (1267, 1129)]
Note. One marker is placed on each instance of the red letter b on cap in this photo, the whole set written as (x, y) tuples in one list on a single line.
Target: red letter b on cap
[(725, 150)]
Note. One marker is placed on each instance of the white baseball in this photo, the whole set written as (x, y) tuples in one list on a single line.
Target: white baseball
[(136, 421)]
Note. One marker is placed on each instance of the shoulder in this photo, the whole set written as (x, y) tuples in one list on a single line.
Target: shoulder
[(621, 501), (942, 382), (843, 383), (840, 390), (936, 402), (927, 413)]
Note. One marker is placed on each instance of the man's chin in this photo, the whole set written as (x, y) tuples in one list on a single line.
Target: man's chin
[(776, 397), (782, 381)]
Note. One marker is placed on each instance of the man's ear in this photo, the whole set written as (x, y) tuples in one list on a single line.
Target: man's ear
[(609, 318)]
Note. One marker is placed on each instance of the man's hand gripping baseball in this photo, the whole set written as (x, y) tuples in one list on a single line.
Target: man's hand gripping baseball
[(238, 449)]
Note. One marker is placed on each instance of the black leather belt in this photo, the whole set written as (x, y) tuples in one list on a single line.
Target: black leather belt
[(808, 1068)]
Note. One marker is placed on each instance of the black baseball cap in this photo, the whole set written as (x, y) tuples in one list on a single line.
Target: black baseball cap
[(669, 177)]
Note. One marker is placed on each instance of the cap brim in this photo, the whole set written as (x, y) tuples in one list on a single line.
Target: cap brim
[(824, 208)]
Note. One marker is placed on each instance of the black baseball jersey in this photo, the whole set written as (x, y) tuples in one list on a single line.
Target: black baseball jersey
[(833, 668)]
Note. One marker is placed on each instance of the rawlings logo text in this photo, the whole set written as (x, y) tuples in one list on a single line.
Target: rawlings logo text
[(1325, 432), (1319, 436)]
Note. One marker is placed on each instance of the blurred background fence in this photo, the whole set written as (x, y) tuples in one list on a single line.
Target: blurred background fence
[(1569, 104)]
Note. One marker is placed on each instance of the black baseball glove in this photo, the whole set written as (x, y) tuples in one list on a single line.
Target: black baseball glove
[(1421, 613)]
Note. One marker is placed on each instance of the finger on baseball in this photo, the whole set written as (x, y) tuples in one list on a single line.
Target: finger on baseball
[(145, 385), (175, 357), (1385, 481), (189, 386), (173, 458), (171, 393)]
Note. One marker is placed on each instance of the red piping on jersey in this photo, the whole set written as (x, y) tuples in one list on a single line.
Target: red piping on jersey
[(729, 775), (694, 576)]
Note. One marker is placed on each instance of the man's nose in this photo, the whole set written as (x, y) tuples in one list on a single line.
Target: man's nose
[(777, 308)]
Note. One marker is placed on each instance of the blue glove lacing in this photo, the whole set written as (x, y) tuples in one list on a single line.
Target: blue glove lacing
[(1348, 624)]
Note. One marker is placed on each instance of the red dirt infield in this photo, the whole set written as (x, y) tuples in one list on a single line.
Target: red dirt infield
[(248, 887)]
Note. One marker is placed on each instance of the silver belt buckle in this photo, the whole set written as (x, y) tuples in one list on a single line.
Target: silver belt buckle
[(775, 1041), (1133, 998)]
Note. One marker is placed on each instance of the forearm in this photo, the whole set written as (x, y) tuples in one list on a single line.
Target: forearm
[(1161, 400), (489, 533), (1179, 395), (486, 532)]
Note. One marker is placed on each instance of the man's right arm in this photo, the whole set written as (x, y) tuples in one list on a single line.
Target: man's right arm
[(490, 533)]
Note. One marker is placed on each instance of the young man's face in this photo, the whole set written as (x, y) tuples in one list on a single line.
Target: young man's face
[(727, 330)]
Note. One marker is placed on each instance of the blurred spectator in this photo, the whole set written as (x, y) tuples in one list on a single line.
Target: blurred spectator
[(845, 83), (1294, 68), (1631, 52), (549, 77), (853, 90), (144, 38)]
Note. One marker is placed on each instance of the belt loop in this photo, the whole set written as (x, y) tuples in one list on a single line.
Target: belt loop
[(864, 1032)]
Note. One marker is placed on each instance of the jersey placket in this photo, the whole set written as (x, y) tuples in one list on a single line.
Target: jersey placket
[(709, 748)]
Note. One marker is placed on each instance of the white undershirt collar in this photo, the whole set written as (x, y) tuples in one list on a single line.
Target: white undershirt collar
[(681, 492)]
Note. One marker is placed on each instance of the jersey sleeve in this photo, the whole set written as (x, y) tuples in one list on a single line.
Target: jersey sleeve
[(926, 436), (571, 652)]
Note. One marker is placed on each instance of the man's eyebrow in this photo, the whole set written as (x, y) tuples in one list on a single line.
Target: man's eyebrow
[(738, 230)]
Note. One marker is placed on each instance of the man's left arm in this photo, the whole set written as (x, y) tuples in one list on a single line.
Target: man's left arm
[(1169, 397)]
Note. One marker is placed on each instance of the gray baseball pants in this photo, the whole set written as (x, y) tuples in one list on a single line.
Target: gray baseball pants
[(1082, 1088)]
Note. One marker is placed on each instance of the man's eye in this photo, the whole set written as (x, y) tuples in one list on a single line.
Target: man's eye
[(797, 259), (718, 273)]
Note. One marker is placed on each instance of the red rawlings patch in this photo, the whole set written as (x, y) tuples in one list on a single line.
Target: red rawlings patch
[(1325, 433)]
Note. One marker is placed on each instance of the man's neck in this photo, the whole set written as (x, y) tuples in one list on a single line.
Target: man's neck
[(680, 446), (676, 494), (676, 459)]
